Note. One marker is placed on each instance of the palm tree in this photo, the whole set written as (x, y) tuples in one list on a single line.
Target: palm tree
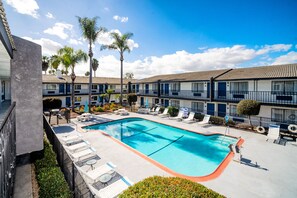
[(129, 76), (69, 58), (54, 62), (95, 65), (90, 31), (45, 63), (120, 43)]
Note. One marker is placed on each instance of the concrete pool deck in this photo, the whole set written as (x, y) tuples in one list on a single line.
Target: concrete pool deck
[(268, 170)]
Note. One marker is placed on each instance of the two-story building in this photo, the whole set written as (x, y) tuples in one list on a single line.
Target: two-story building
[(217, 92), (62, 88)]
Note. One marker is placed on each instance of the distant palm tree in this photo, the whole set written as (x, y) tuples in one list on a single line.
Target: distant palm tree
[(45, 63), (129, 76), (54, 63), (95, 65), (90, 31), (87, 73), (69, 58), (120, 43)]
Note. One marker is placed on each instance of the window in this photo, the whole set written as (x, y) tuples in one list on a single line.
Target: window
[(175, 87), (233, 110), (239, 87), (51, 86), (95, 98), (2, 87), (77, 86), (284, 86), (94, 86), (175, 103), (112, 87), (155, 87), (284, 115), (198, 87), (77, 99), (197, 107)]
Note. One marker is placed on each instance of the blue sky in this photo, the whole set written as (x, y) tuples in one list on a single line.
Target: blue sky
[(170, 36)]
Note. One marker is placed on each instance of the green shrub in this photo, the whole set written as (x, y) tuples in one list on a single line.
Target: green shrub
[(50, 178), (172, 111), (198, 116), (220, 121), (52, 183), (131, 98), (52, 103), (162, 109), (168, 187)]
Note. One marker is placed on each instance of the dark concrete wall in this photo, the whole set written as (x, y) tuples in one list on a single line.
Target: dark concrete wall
[(26, 91)]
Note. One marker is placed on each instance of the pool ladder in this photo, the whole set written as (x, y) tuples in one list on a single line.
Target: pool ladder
[(227, 130)]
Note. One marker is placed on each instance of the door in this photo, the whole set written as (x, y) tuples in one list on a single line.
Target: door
[(222, 90), (137, 88), (67, 88), (166, 104), (146, 88), (68, 103), (61, 88), (221, 110), (141, 101), (210, 109), (2, 90), (208, 90), (101, 89), (166, 89)]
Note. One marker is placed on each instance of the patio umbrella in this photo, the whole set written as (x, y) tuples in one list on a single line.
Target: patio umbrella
[(146, 103), (86, 109)]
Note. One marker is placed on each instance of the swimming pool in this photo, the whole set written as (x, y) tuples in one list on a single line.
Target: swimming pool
[(181, 151)]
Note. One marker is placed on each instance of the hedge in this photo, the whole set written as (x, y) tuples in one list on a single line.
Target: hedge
[(172, 111), (158, 186), (52, 103), (50, 178)]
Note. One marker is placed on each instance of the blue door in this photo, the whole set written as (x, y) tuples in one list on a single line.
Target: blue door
[(166, 103), (67, 88), (141, 101), (137, 88), (146, 88), (222, 90), (101, 89), (210, 109), (166, 89), (61, 88), (221, 110), (68, 103)]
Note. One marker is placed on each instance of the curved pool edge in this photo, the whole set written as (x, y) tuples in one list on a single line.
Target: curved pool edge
[(216, 173)]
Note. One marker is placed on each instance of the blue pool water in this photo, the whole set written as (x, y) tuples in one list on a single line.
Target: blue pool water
[(180, 150)]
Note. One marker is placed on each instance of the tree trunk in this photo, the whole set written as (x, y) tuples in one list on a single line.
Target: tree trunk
[(121, 98), (72, 89), (90, 78)]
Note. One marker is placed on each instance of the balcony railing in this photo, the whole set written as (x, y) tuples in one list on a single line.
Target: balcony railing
[(188, 94), (148, 92), (269, 97), (7, 152), (76, 91)]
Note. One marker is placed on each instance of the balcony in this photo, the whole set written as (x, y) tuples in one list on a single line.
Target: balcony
[(185, 94), (266, 97), (46, 92)]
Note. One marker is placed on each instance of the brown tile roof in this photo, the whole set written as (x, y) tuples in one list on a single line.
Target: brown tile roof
[(84, 80), (190, 76), (5, 23), (263, 72)]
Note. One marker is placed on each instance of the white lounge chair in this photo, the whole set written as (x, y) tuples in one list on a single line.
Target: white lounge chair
[(190, 119), (84, 153), (144, 110), (114, 189), (164, 114), (71, 138), (78, 146), (84, 117), (179, 117), (156, 112), (273, 133), (205, 119), (121, 112), (94, 174)]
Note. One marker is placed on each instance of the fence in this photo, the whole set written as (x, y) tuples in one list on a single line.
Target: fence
[(73, 177), (7, 153)]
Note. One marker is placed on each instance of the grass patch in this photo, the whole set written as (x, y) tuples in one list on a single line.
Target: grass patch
[(168, 187), (50, 178)]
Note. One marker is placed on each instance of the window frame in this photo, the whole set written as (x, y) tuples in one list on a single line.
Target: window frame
[(48, 86), (197, 90)]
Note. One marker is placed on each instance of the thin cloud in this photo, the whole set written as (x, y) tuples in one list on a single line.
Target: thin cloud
[(290, 57), (59, 29), (27, 7), (121, 19), (50, 15), (49, 47)]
